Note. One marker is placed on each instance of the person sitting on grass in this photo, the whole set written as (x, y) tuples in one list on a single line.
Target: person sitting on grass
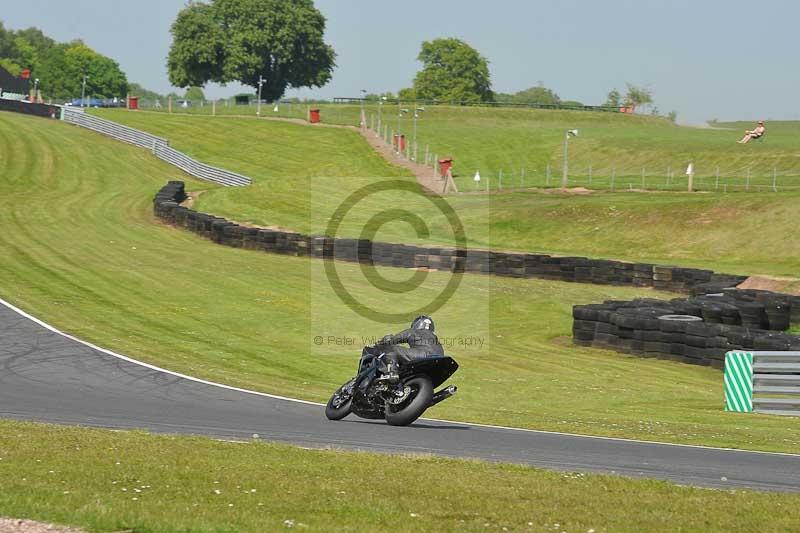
[(753, 134)]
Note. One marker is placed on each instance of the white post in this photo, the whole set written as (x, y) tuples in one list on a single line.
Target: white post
[(565, 173), (748, 179), (613, 177), (774, 179), (213, 108), (258, 105), (716, 183)]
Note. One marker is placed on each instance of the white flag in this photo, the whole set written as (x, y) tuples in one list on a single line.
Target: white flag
[(477, 176), (690, 169)]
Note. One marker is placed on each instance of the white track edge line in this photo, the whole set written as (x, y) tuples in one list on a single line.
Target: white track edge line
[(306, 402), (148, 365)]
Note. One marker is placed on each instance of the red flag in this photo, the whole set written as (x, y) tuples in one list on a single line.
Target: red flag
[(26, 74)]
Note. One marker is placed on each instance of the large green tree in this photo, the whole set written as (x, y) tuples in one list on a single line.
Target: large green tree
[(452, 71), (63, 67), (60, 67), (240, 40)]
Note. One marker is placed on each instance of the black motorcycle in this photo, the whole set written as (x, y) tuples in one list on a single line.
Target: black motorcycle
[(400, 403)]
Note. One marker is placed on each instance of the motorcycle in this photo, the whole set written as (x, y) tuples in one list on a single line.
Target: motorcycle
[(399, 404)]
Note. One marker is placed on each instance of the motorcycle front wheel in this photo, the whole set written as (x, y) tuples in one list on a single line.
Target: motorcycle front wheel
[(419, 393), (341, 403)]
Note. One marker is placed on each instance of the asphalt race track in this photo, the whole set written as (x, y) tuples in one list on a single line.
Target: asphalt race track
[(46, 376)]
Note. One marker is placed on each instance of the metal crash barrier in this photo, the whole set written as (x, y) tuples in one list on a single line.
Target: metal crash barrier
[(159, 146), (763, 382)]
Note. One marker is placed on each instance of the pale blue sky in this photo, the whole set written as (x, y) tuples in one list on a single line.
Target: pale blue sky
[(704, 58)]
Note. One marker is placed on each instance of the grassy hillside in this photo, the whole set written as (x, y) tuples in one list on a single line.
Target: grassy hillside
[(523, 143), (81, 249), (266, 151), (143, 482), (747, 233)]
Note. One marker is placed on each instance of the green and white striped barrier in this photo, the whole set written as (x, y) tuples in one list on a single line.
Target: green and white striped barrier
[(739, 382)]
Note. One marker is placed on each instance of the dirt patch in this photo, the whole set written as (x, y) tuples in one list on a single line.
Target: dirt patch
[(425, 175), (192, 196), (765, 283), (14, 525)]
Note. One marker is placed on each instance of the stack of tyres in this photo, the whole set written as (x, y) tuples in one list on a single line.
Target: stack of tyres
[(778, 314), (643, 275), (794, 311), (754, 315)]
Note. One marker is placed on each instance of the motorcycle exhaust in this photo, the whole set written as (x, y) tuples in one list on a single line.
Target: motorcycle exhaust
[(443, 394)]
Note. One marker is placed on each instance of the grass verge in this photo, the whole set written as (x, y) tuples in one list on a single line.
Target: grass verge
[(115, 481)]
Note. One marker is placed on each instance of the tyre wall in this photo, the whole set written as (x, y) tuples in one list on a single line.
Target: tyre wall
[(697, 330), (167, 207)]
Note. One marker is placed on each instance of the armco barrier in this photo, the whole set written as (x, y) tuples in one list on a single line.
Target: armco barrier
[(159, 146), (764, 382), (519, 265), (39, 110)]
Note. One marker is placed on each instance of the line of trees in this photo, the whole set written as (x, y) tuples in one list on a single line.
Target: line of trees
[(60, 67)]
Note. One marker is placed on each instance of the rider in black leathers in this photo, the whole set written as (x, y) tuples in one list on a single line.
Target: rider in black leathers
[(422, 342)]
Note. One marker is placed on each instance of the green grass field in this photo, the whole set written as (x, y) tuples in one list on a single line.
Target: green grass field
[(743, 233), (82, 250), (523, 143), (142, 482)]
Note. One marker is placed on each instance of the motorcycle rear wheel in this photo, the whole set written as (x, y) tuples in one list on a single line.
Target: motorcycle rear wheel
[(336, 409), (412, 408)]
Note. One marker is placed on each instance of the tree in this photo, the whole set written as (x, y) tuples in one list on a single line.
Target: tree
[(12, 68), (408, 94), (27, 55), (63, 67), (239, 40), (452, 71), (533, 95), (136, 89), (195, 94), (614, 99), (60, 67), (537, 95), (638, 96), (672, 116)]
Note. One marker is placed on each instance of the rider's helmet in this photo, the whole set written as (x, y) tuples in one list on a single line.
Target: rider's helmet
[(423, 322)]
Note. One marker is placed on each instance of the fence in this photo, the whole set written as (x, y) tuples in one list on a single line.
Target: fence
[(763, 382), (159, 146), (751, 178), (39, 110), (514, 105)]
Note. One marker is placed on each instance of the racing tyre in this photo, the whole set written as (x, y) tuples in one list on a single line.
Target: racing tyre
[(341, 403), (419, 393)]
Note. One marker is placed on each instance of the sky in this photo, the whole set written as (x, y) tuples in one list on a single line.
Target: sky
[(705, 59)]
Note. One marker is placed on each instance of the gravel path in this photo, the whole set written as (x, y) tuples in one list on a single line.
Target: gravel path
[(14, 525)]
